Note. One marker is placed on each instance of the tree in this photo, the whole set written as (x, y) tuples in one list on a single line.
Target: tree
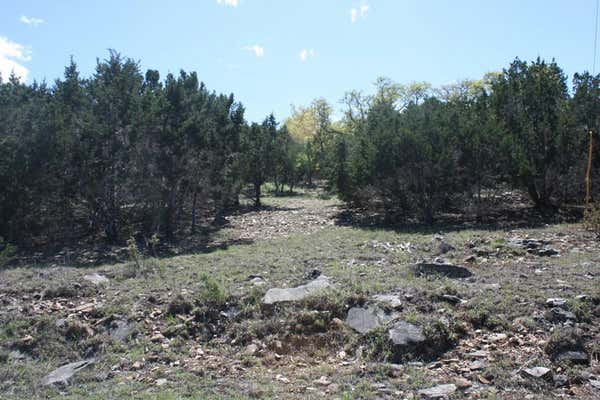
[(258, 143), (116, 154), (530, 100)]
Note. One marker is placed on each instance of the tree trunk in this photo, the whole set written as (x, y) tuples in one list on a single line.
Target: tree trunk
[(533, 193), (194, 202), (257, 195)]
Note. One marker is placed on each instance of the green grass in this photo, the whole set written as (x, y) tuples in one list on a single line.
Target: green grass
[(218, 281)]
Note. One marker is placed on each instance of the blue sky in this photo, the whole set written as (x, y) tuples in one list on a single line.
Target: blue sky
[(275, 53)]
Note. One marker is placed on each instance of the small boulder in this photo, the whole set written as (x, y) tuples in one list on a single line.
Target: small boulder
[(406, 334), (251, 349), (121, 330), (548, 252), (66, 372), (566, 345), (364, 319), (556, 302), (258, 281), (560, 315), (96, 279), (279, 295), (537, 373), (322, 381), (437, 392), (445, 270), (389, 300), (449, 298), (573, 357), (444, 248), (560, 380)]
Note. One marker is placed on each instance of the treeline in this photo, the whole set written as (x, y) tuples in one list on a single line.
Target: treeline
[(411, 150), (124, 154)]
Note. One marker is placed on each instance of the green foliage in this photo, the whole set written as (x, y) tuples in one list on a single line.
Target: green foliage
[(135, 255), (7, 252), (117, 154), (413, 152), (591, 218), (530, 101), (213, 293), (122, 153), (403, 161)]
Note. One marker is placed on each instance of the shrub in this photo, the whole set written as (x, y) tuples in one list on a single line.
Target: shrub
[(213, 292), (7, 252), (591, 219)]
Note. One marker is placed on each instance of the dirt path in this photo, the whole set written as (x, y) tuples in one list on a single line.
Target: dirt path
[(282, 217)]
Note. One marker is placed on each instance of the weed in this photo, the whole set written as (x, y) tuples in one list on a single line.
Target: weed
[(7, 252), (591, 219), (213, 293)]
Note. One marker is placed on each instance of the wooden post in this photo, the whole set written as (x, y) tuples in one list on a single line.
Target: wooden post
[(588, 174)]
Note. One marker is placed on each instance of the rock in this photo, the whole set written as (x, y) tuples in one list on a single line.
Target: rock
[(537, 373), (560, 380), (478, 354), (364, 319), (161, 382), (556, 302), (96, 279), (444, 248), (251, 349), (446, 270), (477, 365), (497, 337), (16, 355), (559, 315), (258, 281), (582, 297), (567, 345), (337, 323), (405, 334), (312, 274), (452, 299), (549, 252), (438, 392), (277, 295), (573, 357), (121, 330), (471, 259), (462, 383), (533, 243), (389, 300), (137, 365), (64, 373), (322, 381), (595, 383), (158, 337)]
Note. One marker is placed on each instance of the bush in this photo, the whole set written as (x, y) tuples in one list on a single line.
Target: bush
[(591, 219), (212, 293), (7, 252)]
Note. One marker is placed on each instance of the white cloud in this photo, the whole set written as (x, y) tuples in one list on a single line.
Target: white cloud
[(360, 12), (258, 51), (228, 3), (305, 54), (11, 56), (31, 20)]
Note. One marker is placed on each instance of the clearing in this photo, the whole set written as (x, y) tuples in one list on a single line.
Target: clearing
[(523, 322)]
